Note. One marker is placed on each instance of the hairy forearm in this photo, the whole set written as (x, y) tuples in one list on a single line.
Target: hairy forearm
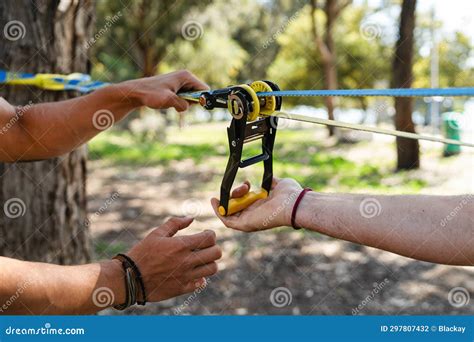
[(48, 130), (51, 129), (38, 288), (432, 228)]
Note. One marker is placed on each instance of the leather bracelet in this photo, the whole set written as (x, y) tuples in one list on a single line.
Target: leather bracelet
[(138, 275), (295, 207), (130, 288)]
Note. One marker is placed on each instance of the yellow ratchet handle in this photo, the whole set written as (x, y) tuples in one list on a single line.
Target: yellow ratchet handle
[(239, 204)]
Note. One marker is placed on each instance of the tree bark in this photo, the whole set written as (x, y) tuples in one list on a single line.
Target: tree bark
[(327, 49), (53, 227), (408, 154), (330, 71)]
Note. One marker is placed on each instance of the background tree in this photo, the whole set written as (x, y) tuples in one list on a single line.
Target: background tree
[(297, 64), (214, 56), (257, 29), (144, 35), (408, 151), (326, 47), (455, 69), (49, 195)]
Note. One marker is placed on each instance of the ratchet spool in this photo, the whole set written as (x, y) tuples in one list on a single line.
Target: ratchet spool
[(233, 99), (267, 103), (238, 96)]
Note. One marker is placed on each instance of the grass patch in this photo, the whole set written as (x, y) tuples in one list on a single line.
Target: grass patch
[(297, 154), (126, 151), (109, 250)]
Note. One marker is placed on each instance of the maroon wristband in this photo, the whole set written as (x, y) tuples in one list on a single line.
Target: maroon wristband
[(295, 207)]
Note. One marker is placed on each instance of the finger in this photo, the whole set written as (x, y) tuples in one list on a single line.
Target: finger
[(227, 220), (201, 240), (180, 104), (193, 285), (204, 271), (205, 256), (241, 190), (215, 205), (192, 103), (190, 82), (275, 182), (174, 224), (233, 222)]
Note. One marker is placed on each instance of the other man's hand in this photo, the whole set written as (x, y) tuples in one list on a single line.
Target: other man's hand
[(274, 211), (173, 265)]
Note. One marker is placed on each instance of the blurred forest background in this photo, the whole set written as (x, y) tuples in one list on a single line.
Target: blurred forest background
[(153, 165)]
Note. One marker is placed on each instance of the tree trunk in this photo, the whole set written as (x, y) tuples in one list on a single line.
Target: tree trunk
[(330, 71), (327, 49), (50, 223), (408, 154)]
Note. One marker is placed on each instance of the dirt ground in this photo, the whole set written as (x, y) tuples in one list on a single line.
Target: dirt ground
[(282, 272)]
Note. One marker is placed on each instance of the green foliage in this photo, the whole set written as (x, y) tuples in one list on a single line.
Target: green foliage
[(244, 40), (297, 154), (122, 148), (217, 60), (297, 65), (138, 42), (361, 62), (454, 70)]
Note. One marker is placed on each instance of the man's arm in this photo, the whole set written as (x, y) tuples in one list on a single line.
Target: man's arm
[(431, 228), (170, 266), (38, 288), (41, 131)]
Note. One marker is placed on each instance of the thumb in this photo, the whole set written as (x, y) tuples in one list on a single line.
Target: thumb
[(174, 224), (241, 190), (180, 104)]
